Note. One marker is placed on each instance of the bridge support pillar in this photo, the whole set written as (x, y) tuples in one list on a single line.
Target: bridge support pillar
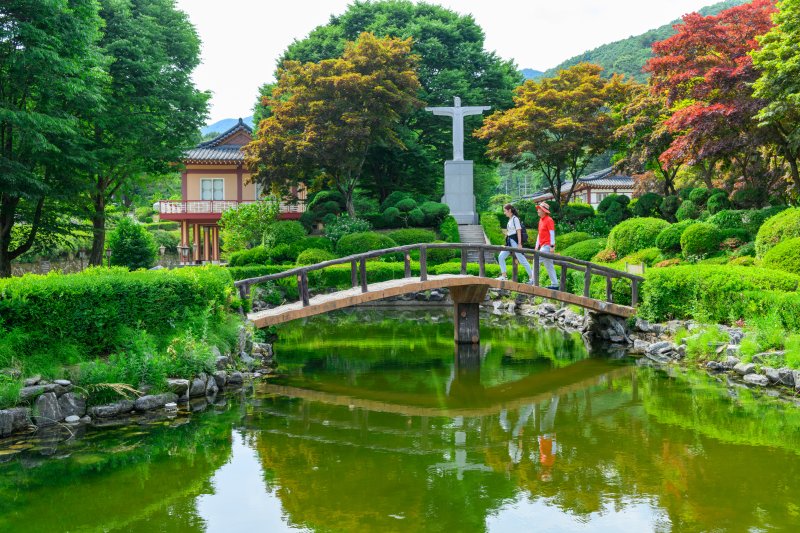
[(466, 312)]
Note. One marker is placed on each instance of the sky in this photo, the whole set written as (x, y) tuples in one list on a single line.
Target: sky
[(243, 39)]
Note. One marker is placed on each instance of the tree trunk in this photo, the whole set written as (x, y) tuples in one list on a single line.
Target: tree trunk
[(795, 175), (7, 209), (98, 228)]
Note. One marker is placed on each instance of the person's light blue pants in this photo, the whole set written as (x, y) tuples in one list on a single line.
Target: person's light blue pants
[(548, 264), (521, 258)]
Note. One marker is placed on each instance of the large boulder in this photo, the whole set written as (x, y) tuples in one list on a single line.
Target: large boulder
[(47, 410), (13, 420), (155, 401), (110, 410), (72, 404)]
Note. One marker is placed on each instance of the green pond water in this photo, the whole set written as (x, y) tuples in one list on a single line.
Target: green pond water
[(377, 423)]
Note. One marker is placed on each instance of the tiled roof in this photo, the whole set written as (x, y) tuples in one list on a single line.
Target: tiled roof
[(225, 154), (222, 136), (602, 179)]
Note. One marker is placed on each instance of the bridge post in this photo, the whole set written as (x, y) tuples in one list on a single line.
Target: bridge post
[(466, 312)]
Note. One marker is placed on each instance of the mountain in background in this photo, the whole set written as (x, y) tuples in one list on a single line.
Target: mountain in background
[(225, 124), (628, 56), (531, 74)]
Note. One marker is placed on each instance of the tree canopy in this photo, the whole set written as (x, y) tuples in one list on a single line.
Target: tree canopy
[(557, 125), (326, 116)]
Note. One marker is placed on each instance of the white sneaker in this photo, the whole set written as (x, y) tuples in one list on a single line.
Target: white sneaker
[(501, 278)]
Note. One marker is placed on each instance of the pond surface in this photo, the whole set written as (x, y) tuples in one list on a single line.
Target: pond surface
[(378, 424)]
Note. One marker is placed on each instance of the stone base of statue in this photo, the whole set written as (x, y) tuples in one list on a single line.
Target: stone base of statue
[(458, 193)]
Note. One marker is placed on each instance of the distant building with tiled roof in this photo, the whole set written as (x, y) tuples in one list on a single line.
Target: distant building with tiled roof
[(592, 188), (214, 180)]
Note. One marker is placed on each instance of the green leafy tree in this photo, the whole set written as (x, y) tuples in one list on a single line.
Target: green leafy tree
[(453, 62), (557, 125), (327, 115), (243, 227), (779, 84), (132, 245), (152, 110), (49, 77)]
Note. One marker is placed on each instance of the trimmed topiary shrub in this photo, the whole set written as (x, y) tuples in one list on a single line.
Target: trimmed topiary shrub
[(282, 253), (744, 260), (783, 226), (648, 256), (393, 199), (784, 256), (357, 243), (313, 256), (573, 214), (585, 249), (287, 232), (435, 212), (739, 235), (669, 240), (717, 203), (323, 197), (635, 234), (493, 230), (700, 239), (729, 219), (647, 205), (448, 230), (406, 205), (144, 214), (669, 206), (568, 239), (750, 198), (684, 194), (700, 196), (391, 218), (595, 226), (747, 249), (319, 243), (131, 245), (688, 211), (605, 256), (416, 217), (411, 236), (254, 256)]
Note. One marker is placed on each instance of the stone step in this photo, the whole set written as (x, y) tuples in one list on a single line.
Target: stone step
[(473, 234)]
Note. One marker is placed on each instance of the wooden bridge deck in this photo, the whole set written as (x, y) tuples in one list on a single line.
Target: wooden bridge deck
[(325, 303)]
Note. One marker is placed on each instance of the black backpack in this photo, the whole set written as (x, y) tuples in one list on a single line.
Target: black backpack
[(524, 232)]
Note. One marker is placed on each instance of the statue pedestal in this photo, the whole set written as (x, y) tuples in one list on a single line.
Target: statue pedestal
[(458, 192)]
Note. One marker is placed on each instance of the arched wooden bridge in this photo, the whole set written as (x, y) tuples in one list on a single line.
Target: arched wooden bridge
[(467, 291)]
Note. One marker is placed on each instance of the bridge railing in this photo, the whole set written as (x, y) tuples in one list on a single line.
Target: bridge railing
[(358, 268)]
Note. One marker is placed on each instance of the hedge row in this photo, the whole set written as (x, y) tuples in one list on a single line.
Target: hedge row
[(706, 292), (89, 307)]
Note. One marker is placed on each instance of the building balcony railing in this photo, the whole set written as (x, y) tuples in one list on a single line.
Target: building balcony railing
[(200, 207)]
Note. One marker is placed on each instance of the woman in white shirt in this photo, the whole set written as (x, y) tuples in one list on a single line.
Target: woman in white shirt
[(513, 239)]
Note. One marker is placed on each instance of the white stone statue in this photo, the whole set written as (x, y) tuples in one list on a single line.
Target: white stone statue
[(458, 113)]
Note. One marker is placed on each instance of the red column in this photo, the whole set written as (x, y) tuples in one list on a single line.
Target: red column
[(206, 244), (196, 242)]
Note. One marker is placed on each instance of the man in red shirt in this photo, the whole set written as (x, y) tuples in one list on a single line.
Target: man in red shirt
[(546, 241)]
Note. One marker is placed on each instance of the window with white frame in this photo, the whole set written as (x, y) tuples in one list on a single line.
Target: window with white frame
[(212, 189), (599, 196)]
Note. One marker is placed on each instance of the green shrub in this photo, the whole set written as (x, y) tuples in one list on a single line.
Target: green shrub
[(411, 236), (527, 213), (166, 225), (718, 202), (393, 199), (448, 230), (585, 250), (699, 196), (132, 246), (688, 211), (345, 225), (168, 239), (785, 256), (416, 217), (611, 199), (357, 243), (614, 209), (669, 240), (595, 226), (635, 234), (318, 243), (572, 214), (568, 239), (145, 214), (785, 306), (391, 218), (705, 343), (254, 256), (435, 213), (406, 205), (254, 271), (750, 198), (708, 292), (437, 256), (648, 256), (739, 234), (323, 197), (313, 256), (282, 253), (669, 207), (729, 219), (287, 232), (783, 226), (755, 218), (647, 205), (747, 249), (744, 260), (685, 193), (338, 276), (493, 230), (700, 239)]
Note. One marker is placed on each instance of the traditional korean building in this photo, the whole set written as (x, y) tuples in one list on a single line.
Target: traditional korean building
[(215, 179), (592, 188)]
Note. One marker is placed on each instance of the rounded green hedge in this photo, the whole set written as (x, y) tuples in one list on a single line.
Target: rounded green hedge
[(406, 205), (568, 239), (286, 232), (131, 245), (785, 225), (688, 211), (718, 202), (411, 236), (785, 256), (313, 256), (254, 256), (669, 240), (358, 243), (391, 217), (434, 212), (635, 234), (416, 217), (585, 249), (700, 239)]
